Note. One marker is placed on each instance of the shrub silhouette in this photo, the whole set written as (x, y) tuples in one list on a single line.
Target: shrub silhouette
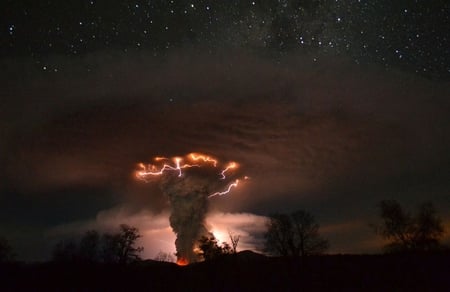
[(296, 234), (210, 248), (6, 251), (119, 247), (408, 233)]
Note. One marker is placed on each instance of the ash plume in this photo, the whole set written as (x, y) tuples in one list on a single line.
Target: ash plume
[(188, 188)]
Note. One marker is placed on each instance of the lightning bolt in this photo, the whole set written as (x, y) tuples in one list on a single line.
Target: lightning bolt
[(197, 156), (187, 230), (155, 172), (177, 165), (231, 165), (227, 190)]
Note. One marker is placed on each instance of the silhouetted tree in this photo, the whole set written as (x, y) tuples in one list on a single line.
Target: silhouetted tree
[(164, 257), (279, 236), (118, 247), (6, 251), (429, 228), (109, 248), (405, 232), (307, 240), (65, 250), (210, 249), (234, 241), (226, 248), (121, 247), (296, 234), (89, 247)]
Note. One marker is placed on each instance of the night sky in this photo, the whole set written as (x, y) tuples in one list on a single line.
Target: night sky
[(328, 106)]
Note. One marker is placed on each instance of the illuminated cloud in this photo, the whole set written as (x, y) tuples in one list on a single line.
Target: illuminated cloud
[(156, 232), (249, 227), (330, 137), (157, 235)]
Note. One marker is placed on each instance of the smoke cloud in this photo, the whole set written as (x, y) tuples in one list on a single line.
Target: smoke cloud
[(329, 136), (188, 188), (188, 198)]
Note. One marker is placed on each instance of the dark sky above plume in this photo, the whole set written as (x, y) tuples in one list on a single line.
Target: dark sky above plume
[(328, 106)]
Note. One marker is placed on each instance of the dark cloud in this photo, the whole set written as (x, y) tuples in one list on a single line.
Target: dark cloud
[(329, 136)]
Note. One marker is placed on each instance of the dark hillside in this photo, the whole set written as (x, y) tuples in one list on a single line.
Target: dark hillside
[(246, 271)]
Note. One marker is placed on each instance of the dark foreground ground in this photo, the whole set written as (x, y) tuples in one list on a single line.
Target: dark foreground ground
[(243, 272)]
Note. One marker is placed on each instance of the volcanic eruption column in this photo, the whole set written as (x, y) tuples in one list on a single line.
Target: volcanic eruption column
[(188, 187)]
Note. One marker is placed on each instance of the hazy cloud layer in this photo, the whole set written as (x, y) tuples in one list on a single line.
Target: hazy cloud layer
[(156, 233), (331, 137)]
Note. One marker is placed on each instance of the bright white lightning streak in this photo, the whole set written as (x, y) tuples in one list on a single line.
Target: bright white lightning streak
[(178, 167), (230, 186), (153, 170), (231, 165)]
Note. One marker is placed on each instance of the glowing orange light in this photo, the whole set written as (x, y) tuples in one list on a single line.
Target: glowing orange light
[(198, 156), (231, 165), (152, 170), (159, 158), (182, 262)]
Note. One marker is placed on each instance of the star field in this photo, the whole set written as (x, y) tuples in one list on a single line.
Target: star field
[(410, 35)]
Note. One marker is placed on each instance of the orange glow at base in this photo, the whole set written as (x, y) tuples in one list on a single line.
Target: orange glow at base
[(182, 262)]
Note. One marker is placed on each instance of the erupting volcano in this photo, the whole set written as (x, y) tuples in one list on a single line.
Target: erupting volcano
[(189, 182)]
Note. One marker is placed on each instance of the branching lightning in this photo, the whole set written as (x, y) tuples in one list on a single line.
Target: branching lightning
[(188, 193), (146, 172), (152, 170)]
